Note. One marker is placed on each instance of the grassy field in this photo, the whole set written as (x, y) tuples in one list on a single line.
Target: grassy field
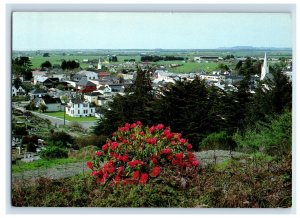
[(22, 166), (60, 114), (57, 57)]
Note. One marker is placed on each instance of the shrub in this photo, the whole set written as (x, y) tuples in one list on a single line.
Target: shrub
[(95, 140), (51, 152), (274, 137), (136, 154), (218, 140), (66, 139)]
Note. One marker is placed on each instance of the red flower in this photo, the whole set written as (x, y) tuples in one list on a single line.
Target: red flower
[(144, 178), (125, 141), (179, 156), (141, 133), (120, 169), (154, 160), (105, 147), (166, 151), (189, 146), (124, 158), (94, 173), (136, 175), (167, 132), (117, 178), (155, 171), (152, 129), (159, 126), (182, 141), (139, 123), (133, 125), (99, 153), (114, 145), (195, 163), (89, 164), (111, 169), (151, 141), (133, 163)]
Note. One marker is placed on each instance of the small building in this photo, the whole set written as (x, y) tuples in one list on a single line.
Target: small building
[(92, 96), (17, 91), (53, 104), (80, 108), (85, 86), (37, 93), (90, 75)]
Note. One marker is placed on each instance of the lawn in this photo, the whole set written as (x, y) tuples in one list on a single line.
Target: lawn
[(60, 114), (22, 166)]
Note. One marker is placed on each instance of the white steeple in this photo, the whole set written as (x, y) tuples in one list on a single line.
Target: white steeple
[(99, 65), (264, 68)]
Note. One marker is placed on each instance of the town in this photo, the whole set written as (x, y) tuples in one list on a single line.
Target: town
[(57, 107)]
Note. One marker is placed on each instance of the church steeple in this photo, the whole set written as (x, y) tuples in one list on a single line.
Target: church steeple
[(99, 64), (264, 68)]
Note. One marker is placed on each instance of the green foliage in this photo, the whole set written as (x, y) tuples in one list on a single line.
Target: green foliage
[(65, 139), (275, 136), (31, 106), (83, 141), (43, 107), (46, 64), (249, 182), (42, 164), (220, 140), (52, 152), (22, 66)]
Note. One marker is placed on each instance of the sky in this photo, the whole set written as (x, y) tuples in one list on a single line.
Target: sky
[(149, 30)]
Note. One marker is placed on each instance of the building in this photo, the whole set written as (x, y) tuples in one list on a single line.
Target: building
[(53, 104), (18, 91), (85, 86), (265, 70), (80, 108), (37, 93)]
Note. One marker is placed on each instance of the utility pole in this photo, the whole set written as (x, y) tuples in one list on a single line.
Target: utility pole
[(64, 114)]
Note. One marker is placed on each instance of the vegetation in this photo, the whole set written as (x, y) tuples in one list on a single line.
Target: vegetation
[(53, 151), (60, 114), (41, 163), (245, 183)]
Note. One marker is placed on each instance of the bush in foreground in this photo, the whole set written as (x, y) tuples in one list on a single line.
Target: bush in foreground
[(136, 153)]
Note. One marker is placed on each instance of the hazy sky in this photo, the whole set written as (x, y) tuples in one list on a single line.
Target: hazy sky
[(98, 30)]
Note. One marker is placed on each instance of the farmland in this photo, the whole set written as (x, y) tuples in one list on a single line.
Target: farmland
[(87, 57)]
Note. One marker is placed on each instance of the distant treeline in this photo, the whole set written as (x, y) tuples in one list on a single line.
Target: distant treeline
[(155, 58)]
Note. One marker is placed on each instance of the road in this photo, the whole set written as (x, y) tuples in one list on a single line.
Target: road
[(57, 121)]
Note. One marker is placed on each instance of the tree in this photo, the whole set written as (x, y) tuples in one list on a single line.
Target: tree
[(46, 64), (22, 66), (17, 82), (46, 55), (43, 107), (135, 105)]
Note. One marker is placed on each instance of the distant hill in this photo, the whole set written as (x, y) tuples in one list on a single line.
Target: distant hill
[(252, 48)]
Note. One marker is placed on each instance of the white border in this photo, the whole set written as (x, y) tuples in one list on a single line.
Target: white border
[(175, 6)]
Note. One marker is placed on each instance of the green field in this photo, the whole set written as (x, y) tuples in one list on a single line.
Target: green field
[(22, 166), (56, 57), (60, 114)]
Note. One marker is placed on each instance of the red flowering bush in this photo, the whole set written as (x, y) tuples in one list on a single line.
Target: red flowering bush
[(137, 153)]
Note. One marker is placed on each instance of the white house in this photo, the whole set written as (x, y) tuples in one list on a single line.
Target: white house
[(17, 91), (92, 96), (89, 75), (39, 79), (80, 108), (105, 90)]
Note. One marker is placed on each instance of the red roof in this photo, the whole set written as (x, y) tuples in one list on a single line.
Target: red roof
[(103, 74)]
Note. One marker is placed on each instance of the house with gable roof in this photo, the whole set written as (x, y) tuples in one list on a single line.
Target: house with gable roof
[(80, 108)]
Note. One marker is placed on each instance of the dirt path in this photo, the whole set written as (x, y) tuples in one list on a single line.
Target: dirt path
[(71, 169)]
